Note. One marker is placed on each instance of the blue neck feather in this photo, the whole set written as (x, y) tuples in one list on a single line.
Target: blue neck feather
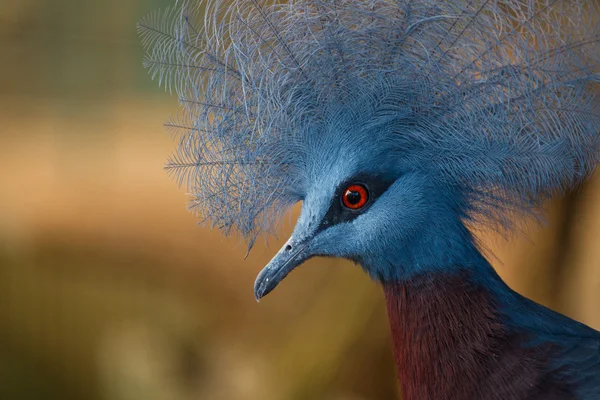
[(444, 245)]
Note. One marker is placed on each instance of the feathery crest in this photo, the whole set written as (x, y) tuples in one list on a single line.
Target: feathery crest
[(495, 97)]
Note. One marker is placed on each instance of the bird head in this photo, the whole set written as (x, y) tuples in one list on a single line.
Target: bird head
[(360, 203), (395, 123)]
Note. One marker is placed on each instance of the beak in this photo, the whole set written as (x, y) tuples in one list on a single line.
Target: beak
[(289, 257)]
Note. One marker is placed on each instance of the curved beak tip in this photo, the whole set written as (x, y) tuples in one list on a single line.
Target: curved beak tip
[(277, 269), (264, 284), (257, 293)]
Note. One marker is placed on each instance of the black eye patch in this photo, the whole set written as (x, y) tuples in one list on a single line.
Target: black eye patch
[(338, 213)]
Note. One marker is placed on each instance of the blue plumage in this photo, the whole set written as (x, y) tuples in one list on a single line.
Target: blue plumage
[(492, 98), (399, 125)]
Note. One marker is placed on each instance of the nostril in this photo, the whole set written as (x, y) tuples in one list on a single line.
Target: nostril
[(288, 247)]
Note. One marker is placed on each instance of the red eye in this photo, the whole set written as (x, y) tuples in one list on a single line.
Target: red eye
[(355, 196)]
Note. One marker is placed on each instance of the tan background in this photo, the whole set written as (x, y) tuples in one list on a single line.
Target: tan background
[(108, 289)]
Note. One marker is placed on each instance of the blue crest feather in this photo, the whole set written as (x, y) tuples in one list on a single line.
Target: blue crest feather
[(494, 98)]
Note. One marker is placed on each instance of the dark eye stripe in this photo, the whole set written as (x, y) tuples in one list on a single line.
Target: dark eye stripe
[(339, 213)]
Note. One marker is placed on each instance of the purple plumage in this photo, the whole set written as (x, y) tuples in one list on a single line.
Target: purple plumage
[(465, 337)]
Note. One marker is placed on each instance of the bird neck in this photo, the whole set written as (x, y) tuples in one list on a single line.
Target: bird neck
[(439, 245), (450, 337), (429, 316)]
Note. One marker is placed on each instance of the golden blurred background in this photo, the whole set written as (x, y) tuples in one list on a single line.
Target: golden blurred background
[(109, 290)]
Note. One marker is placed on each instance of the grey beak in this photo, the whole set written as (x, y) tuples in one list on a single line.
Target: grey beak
[(288, 258)]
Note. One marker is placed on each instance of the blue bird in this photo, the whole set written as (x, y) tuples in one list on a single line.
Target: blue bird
[(399, 125)]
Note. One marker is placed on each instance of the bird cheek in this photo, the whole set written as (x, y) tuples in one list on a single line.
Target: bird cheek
[(325, 243), (342, 241)]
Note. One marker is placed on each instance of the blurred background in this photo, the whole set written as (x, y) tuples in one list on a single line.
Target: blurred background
[(109, 290)]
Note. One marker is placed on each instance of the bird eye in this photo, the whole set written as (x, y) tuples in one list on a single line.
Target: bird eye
[(355, 196)]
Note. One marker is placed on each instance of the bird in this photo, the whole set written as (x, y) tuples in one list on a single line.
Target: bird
[(401, 127)]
